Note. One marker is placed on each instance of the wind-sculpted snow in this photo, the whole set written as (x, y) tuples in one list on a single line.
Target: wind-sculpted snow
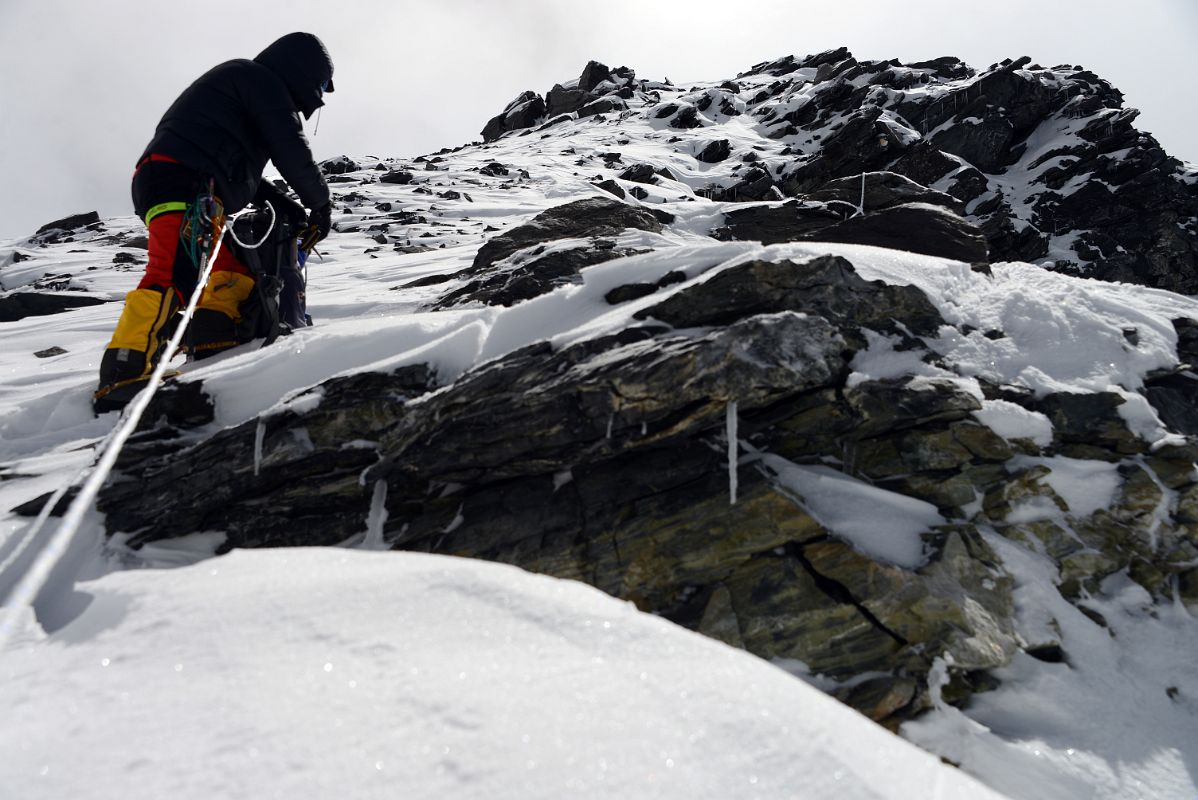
[(605, 346)]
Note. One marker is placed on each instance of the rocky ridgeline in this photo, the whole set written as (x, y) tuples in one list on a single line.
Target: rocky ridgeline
[(1045, 161), (607, 462)]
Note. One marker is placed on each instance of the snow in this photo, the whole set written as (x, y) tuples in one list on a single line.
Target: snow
[(1012, 421), (1085, 486), (1133, 682), (881, 524), (310, 673)]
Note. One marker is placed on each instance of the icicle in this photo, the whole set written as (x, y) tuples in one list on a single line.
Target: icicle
[(610, 421), (732, 451), (259, 437), (376, 518)]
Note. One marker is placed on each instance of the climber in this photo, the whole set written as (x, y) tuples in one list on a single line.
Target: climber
[(215, 141)]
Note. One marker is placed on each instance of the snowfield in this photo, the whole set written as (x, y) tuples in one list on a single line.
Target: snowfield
[(314, 673)]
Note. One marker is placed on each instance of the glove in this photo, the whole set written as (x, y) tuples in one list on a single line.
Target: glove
[(319, 222)]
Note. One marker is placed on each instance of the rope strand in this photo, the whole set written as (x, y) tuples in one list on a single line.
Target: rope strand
[(34, 580)]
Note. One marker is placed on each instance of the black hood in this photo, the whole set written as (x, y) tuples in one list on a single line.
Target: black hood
[(303, 63)]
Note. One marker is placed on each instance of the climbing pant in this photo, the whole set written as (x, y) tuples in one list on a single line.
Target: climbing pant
[(146, 321)]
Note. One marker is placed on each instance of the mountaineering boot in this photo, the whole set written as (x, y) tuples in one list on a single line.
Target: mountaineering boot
[(213, 328), (137, 344)]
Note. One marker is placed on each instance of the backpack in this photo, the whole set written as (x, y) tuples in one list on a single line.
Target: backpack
[(278, 304)]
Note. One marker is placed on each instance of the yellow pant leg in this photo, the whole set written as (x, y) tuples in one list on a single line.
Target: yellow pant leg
[(225, 292), (145, 314)]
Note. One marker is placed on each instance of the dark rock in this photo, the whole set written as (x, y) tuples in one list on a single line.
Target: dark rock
[(863, 144), (914, 227), (638, 193), (566, 100), (594, 216), (593, 74), (50, 352), (34, 507), (731, 86), (603, 105), (1187, 340), (611, 187), (635, 291), (73, 222), (494, 170), (1175, 398), (523, 112), (688, 117), (881, 190), (182, 404), (125, 258), (18, 305), (639, 173), (339, 165), (1085, 424), (984, 144), (397, 176), (827, 286), (524, 281), (789, 222), (715, 152)]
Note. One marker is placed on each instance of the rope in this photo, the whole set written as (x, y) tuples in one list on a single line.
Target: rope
[(265, 236), (34, 580)]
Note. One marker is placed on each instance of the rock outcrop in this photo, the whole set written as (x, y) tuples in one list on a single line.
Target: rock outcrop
[(607, 461)]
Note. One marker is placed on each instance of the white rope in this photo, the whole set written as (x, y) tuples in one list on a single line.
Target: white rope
[(32, 582), (262, 241)]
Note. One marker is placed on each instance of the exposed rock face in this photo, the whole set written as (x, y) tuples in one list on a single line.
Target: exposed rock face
[(917, 227), (606, 461)]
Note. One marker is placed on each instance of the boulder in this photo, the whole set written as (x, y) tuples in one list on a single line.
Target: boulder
[(594, 216), (827, 286), (715, 151), (400, 177), (21, 304), (914, 227), (525, 111), (73, 222), (339, 165), (874, 191)]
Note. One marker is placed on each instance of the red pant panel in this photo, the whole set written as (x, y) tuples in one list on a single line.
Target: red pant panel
[(170, 266)]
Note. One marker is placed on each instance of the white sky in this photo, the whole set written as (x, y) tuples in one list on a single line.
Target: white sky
[(83, 82)]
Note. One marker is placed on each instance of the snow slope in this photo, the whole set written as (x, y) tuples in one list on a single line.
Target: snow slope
[(319, 673)]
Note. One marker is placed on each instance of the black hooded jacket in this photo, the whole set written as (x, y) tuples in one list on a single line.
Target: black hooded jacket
[(236, 117)]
